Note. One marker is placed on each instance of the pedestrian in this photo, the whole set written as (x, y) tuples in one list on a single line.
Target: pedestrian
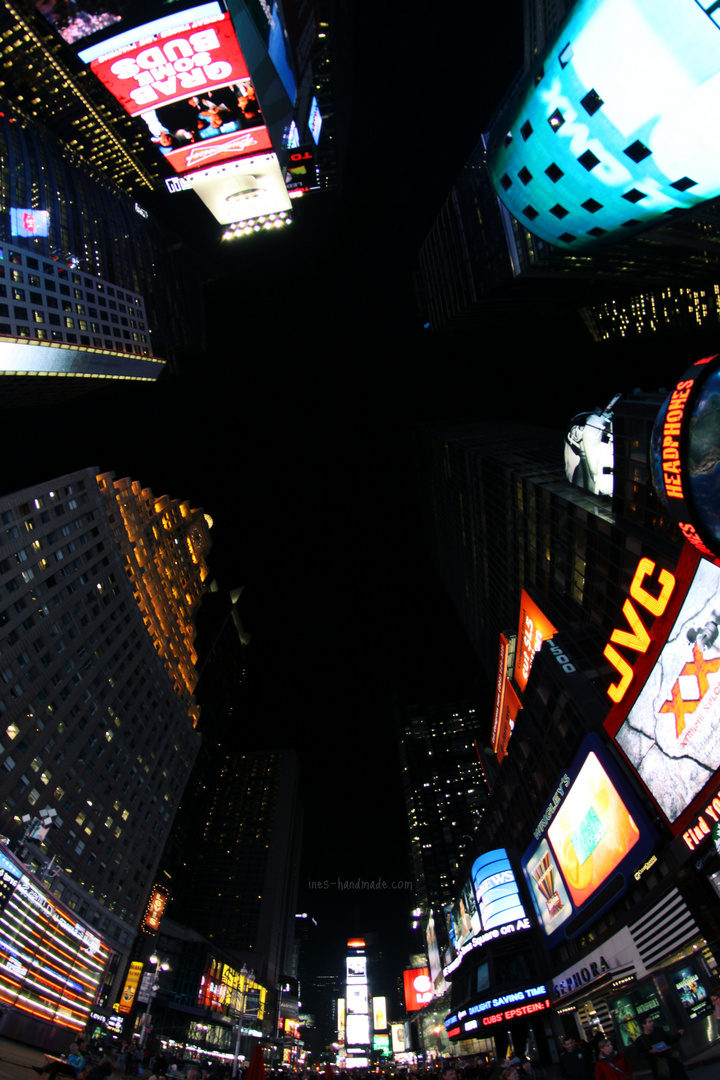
[(654, 1046), (611, 1063), (574, 1061)]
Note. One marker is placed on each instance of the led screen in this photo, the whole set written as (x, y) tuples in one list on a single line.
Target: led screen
[(357, 1030), (242, 190), (357, 968), (589, 456), (671, 735), (496, 890), (590, 839), (465, 917), (418, 988), (51, 964), (613, 129), (74, 24), (189, 82), (29, 222), (356, 997), (315, 121)]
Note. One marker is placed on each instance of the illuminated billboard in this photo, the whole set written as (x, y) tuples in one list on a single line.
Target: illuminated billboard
[(356, 969), (155, 909), (185, 76), (613, 130), (589, 454), (591, 837), (29, 222), (130, 988), (357, 1029), (418, 988), (379, 1012), (670, 734), (51, 963), (496, 890), (315, 121), (684, 456), (533, 628), (489, 906), (242, 190)]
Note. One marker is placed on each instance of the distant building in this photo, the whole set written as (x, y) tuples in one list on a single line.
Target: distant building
[(445, 792), (239, 887)]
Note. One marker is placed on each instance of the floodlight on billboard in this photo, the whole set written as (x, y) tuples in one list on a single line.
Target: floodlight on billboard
[(610, 132), (684, 458), (533, 628), (668, 725), (589, 841), (240, 190), (589, 453)]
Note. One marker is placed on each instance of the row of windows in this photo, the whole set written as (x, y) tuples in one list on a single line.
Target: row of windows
[(50, 269), (20, 295)]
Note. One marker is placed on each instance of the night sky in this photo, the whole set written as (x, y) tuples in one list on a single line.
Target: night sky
[(295, 434)]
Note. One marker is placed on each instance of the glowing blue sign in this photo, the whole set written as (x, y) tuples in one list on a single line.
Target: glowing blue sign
[(617, 125)]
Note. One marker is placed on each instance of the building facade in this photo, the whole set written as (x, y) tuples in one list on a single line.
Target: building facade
[(556, 575), (87, 700)]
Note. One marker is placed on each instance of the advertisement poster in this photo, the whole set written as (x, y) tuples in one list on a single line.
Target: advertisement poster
[(692, 991), (547, 888), (671, 735)]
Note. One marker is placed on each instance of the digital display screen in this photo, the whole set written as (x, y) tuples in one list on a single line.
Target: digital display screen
[(29, 222), (315, 121), (594, 834), (496, 890), (187, 79), (357, 968), (418, 988), (671, 734), (357, 1030), (613, 129), (589, 451), (51, 964)]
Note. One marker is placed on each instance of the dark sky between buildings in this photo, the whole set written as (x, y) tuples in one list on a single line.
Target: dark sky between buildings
[(295, 433)]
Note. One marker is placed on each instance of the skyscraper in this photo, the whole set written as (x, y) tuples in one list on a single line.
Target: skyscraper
[(239, 886), (445, 791), (99, 584)]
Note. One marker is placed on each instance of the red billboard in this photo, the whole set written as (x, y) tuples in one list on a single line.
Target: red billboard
[(418, 988), (173, 65), (190, 84)]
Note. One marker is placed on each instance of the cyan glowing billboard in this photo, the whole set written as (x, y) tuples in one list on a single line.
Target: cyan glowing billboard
[(616, 125)]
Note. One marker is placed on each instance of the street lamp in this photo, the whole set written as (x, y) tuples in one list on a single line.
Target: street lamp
[(247, 977), (162, 965)]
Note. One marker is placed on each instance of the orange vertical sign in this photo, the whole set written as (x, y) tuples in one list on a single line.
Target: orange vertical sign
[(533, 629)]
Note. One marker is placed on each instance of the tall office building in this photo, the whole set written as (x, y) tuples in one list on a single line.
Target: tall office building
[(91, 287), (560, 563), (99, 586), (239, 887), (445, 791)]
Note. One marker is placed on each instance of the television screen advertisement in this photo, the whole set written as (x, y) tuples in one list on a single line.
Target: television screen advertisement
[(189, 82), (670, 734), (590, 839)]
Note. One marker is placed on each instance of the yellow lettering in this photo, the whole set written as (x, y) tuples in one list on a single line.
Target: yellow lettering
[(617, 691), (655, 605), (639, 639)]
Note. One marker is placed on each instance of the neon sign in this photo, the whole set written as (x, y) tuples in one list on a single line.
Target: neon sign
[(637, 637)]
